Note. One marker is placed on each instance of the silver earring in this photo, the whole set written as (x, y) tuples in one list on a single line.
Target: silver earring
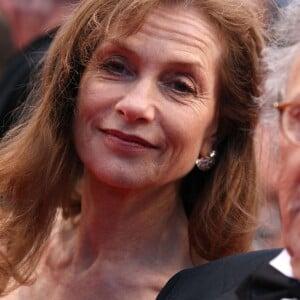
[(205, 163)]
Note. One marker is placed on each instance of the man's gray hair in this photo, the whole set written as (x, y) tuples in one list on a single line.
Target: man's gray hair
[(279, 56)]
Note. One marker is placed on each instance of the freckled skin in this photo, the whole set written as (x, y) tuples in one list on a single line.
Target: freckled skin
[(137, 86)]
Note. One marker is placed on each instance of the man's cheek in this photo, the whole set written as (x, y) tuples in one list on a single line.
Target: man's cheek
[(293, 246), (295, 261), (292, 242)]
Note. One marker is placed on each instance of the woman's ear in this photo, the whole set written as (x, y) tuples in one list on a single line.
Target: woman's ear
[(207, 156), (209, 144)]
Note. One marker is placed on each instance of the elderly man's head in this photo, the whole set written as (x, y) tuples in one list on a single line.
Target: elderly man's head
[(289, 178), (283, 87)]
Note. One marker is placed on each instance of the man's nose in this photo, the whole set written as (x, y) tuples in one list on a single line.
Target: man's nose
[(139, 103)]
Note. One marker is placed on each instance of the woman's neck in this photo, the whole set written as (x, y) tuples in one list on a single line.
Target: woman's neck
[(126, 246), (126, 227)]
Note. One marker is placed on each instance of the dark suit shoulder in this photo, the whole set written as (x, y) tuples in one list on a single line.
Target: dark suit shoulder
[(211, 280)]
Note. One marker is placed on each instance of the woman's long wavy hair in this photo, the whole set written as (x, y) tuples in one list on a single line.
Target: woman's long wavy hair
[(39, 167)]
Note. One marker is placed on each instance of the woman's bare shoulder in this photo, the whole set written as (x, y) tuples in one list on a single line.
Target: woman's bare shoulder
[(12, 296), (55, 260)]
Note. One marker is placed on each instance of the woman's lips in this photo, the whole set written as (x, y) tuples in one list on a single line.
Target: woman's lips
[(128, 138)]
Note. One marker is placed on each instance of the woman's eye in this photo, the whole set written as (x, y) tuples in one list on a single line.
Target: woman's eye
[(116, 66), (183, 86)]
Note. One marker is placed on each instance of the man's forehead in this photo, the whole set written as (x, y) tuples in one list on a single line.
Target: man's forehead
[(293, 85)]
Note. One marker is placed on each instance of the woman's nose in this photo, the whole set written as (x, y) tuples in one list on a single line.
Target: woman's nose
[(138, 103)]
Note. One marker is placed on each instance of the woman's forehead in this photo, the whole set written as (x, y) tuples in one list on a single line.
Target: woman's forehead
[(186, 16), (188, 27)]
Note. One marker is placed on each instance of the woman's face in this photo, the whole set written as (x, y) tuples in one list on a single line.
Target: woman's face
[(146, 106)]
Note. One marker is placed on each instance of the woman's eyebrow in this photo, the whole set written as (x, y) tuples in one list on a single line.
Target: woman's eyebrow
[(112, 44), (187, 64)]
